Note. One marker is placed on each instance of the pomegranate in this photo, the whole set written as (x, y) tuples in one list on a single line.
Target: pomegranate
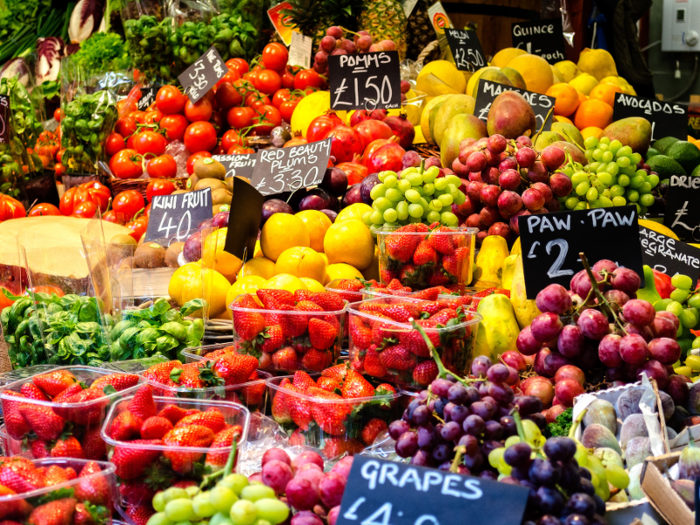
[(374, 146), (354, 170), (388, 157), (346, 143), (359, 116), (371, 130), (378, 114), (321, 126), (402, 128), (296, 141)]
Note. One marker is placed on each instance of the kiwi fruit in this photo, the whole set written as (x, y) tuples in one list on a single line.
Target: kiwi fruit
[(149, 255), (221, 196), (220, 207), (229, 184), (192, 181), (177, 192), (172, 253), (214, 184), (208, 168), (123, 238)]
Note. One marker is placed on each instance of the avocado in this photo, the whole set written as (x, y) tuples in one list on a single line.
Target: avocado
[(696, 171), (665, 166), (685, 153), (149, 255), (208, 168), (663, 144), (651, 152)]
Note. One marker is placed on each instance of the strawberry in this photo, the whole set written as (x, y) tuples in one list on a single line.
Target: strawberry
[(247, 325), (173, 413), (126, 426), (438, 278), (425, 372), (21, 477), (69, 392), (272, 298), (213, 356), (273, 338), (82, 515), (330, 417), (67, 448), (338, 446), (386, 275), (160, 373), (414, 341), (409, 274), (12, 507), (385, 389), (139, 515), (357, 364), (384, 332), (131, 461), (285, 359), (40, 449), (302, 380), (425, 254), (88, 411), (235, 369), (402, 312), (350, 285), (188, 376), (308, 306), (31, 391), (93, 445), (453, 263), (431, 307), (316, 360), (337, 372), (118, 381), (322, 334), (297, 439), (93, 487), (222, 441), (142, 403), (443, 316), (15, 424), (395, 285), (401, 247), (55, 382), (372, 363), (328, 383), (298, 407), (155, 427), (55, 475), (136, 492), (252, 394), (189, 436), (423, 228), (213, 419), (329, 301), (57, 512), (429, 294), (42, 420), (360, 334), (372, 429), (397, 357), (441, 240), (280, 410), (356, 386)]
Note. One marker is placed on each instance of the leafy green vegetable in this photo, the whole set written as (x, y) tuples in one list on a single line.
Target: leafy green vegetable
[(147, 41), (562, 424), (102, 52)]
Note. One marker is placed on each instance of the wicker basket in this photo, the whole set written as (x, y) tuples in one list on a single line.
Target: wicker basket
[(140, 185), (427, 51)]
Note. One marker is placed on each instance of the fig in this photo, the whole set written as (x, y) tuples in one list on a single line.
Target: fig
[(638, 449), (694, 399), (689, 462), (686, 490), (635, 487), (608, 456), (667, 404), (601, 412), (628, 403), (596, 436), (677, 388), (634, 426), (677, 421)]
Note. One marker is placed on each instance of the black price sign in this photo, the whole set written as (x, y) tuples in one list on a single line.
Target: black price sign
[(488, 91), (288, 169), (148, 97), (466, 49), (682, 218), (4, 119), (243, 227), (666, 119), (201, 76), (668, 255), (552, 243), (365, 81), (174, 217), (380, 492), (544, 38), (238, 165)]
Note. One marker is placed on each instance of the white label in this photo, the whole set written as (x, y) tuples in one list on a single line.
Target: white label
[(300, 50)]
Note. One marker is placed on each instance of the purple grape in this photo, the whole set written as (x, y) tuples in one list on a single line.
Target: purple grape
[(626, 280), (508, 425), (473, 462), (421, 415), (551, 501), (548, 519), (440, 387), (528, 405), (581, 503), (571, 341), (494, 430), (593, 324), (470, 443), (482, 409), (554, 298), (441, 452), (407, 444), (489, 474), (498, 373), (544, 472), (604, 264), (426, 438), (501, 393), (451, 431), (474, 425), (459, 413), (576, 519), (526, 343), (458, 394), (560, 448), (517, 455), (480, 366), (421, 459)]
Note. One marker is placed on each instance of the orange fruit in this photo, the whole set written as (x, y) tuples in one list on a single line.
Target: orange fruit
[(582, 97), (559, 118), (591, 131), (566, 98), (605, 93), (593, 113)]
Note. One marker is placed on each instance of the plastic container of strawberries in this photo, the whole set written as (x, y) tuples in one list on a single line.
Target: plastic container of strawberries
[(296, 351), (154, 456), (424, 268), (55, 504), (345, 434), (85, 418), (411, 365)]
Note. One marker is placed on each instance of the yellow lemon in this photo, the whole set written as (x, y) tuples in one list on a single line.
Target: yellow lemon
[(313, 285), (591, 131), (301, 262), (535, 70), (284, 281), (597, 62), (658, 227), (196, 283), (557, 76), (568, 70), (349, 242), (214, 256), (310, 107), (354, 211), (439, 77), (258, 250), (259, 267), (372, 271), (282, 231), (180, 276), (341, 271), (250, 284), (505, 55), (584, 83), (316, 223)]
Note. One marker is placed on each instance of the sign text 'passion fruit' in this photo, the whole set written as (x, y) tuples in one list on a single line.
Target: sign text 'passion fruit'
[(238, 165), (174, 217), (551, 243), (384, 492), (365, 81)]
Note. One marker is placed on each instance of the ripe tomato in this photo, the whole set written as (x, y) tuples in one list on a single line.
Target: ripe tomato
[(200, 136), (159, 187), (193, 158), (281, 95), (111, 216), (138, 227), (252, 77), (287, 108), (153, 116), (228, 96), (288, 77), (256, 100), (307, 78), (174, 126), (231, 76), (59, 155), (139, 116), (126, 125), (244, 88), (58, 114), (217, 120), (239, 150), (147, 210), (49, 289), (42, 209), (267, 118), (201, 111), (170, 100), (163, 167), (114, 144), (231, 138), (238, 64), (127, 203), (240, 118), (60, 169), (126, 106), (321, 126), (275, 56), (149, 142), (127, 164), (85, 210), (269, 81)]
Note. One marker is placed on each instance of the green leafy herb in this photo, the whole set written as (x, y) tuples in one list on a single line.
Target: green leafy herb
[(562, 424), (102, 52)]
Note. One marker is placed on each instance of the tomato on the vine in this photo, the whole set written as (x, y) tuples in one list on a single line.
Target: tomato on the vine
[(44, 208), (269, 81), (256, 100), (240, 117), (92, 192), (127, 203), (174, 126), (126, 125), (239, 150), (231, 138), (170, 100), (60, 169), (267, 117), (59, 155), (147, 210), (114, 144), (288, 78), (126, 164), (200, 136), (148, 141), (238, 64), (159, 187), (307, 78), (162, 167), (139, 116), (58, 114), (217, 120), (275, 56), (193, 158), (126, 106), (231, 76), (252, 77), (199, 111), (281, 95), (153, 116), (227, 96), (85, 210), (287, 108), (111, 216)]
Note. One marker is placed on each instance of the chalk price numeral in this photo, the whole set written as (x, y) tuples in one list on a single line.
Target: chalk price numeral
[(180, 234), (554, 270), (311, 178), (470, 59), (383, 95), (383, 514)]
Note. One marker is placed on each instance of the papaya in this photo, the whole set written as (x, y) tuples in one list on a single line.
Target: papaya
[(517, 249), (489, 262), (460, 127), (425, 115), (455, 105), (525, 309), (508, 271), (649, 292), (430, 137), (498, 329)]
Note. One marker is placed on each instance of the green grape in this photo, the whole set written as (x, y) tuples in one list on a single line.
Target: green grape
[(653, 180), (579, 177), (403, 185), (512, 440), (632, 195), (617, 190), (588, 154), (623, 180), (596, 204), (532, 431), (598, 154), (381, 176), (222, 498), (412, 195), (377, 191), (367, 217), (607, 156), (606, 193), (615, 145), (617, 476), (424, 205), (390, 181), (605, 178), (689, 317), (629, 170), (402, 210), (415, 210), (452, 189), (582, 188), (159, 502), (591, 195), (454, 180), (202, 506), (646, 200), (435, 205), (594, 479), (449, 219), (220, 519), (174, 493), (391, 215), (580, 206), (446, 199), (636, 182), (581, 455), (568, 171), (414, 220), (377, 217), (624, 151), (192, 491), (636, 158), (159, 518), (623, 162), (661, 304), (433, 216), (429, 189), (416, 179), (181, 509), (613, 169), (593, 166), (272, 510), (460, 199), (244, 513), (694, 301), (571, 203), (590, 142), (604, 140), (256, 492), (680, 295), (602, 168), (391, 224), (646, 188), (441, 184), (674, 307), (393, 195), (605, 202), (696, 343), (496, 457), (262, 522)]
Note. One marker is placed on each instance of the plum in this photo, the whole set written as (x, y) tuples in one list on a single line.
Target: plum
[(335, 181), (273, 206), (220, 220), (369, 182), (193, 247), (353, 195)]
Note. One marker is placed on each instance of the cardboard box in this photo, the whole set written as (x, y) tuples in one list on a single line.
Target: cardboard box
[(629, 513), (659, 492)]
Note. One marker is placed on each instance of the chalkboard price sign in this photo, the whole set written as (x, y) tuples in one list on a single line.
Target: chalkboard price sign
[(4, 119), (466, 49), (488, 91), (544, 38), (201, 76), (365, 81), (244, 222), (288, 169), (238, 165), (668, 255), (666, 119), (148, 97), (384, 492), (174, 217), (682, 212), (551, 244)]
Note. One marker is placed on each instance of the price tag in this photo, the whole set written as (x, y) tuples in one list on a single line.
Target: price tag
[(238, 165), (382, 492), (174, 217), (281, 23), (552, 243), (4, 119), (488, 91), (544, 38), (682, 211), (288, 169), (300, 50), (365, 81), (666, 119), (244, 220), (466, 49), (201, 76), (668, 255), (148, 97)]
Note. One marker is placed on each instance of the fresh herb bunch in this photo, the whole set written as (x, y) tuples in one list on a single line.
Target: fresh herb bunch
[(149, 49), (25, 124), (18, 20), (102, 52), (88, 121), (13, 155), (562, 424)]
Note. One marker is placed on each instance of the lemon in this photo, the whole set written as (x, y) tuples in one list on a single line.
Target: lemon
[(556, 75), (349, 242), (313, 285), (354, 211), (535, 70), (258, 250), (316, 223), (505, 55), (439, 77), (284, 281), (214, 256), (282, 231), (597, 62), (372, 271), (195, 282), (259, 267), (301, 262), (584, 83), (568, 70), (249, 284), (180, 276), (342, 271)]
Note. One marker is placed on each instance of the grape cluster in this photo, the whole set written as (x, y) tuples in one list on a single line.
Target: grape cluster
[(684, 303), (335, 43)]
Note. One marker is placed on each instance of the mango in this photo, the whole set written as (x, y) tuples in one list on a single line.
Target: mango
[(516, 249), (525, 309), (489, 262), (460, 127), (511, 116), (454, 105), (547, 138), (569, 132), (508, 271), (516, 79), (488, 73), (634, 132), (425, 115), (576, 153), (498, 329)]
